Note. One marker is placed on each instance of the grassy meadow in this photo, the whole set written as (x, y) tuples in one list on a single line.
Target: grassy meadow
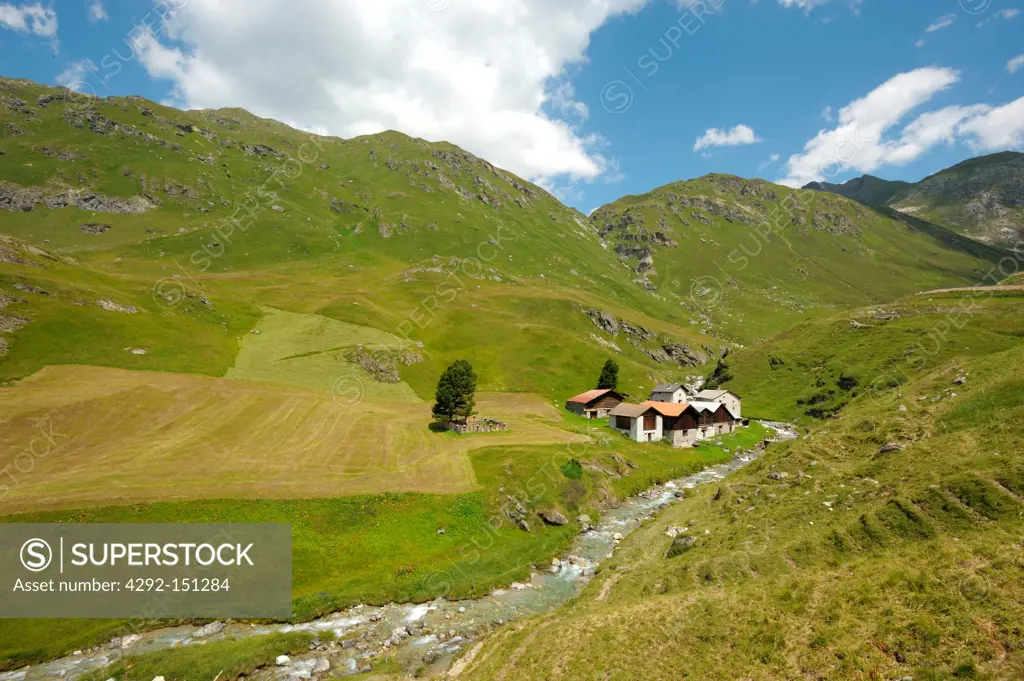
[(833, 556), (817, 368), (385, 547)]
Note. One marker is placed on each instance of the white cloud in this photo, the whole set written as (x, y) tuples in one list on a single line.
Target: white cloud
[(919, 44), (713, 137), (33, 18), (563, 100), (773, 159), (159, 60), (997, 129), (97, 12), (826, 113), (482, 74), (858, 143), (805, 5), (613, 172), (809, 5), (76, 75), (928, 130), (942, 22), (1015, 64), (1004, 14)]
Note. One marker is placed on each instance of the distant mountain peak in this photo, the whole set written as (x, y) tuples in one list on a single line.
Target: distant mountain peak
[(981, 197)]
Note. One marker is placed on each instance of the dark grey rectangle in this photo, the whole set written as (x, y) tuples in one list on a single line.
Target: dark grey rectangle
[(145, 570)]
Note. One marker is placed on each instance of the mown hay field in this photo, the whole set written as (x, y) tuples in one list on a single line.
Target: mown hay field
[(75, 436)]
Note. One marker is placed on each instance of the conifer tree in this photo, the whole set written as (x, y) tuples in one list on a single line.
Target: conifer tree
[(456, 392), (609, 379)]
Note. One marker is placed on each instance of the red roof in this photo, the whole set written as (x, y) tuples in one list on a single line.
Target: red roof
[(667, 408), (589, 396)]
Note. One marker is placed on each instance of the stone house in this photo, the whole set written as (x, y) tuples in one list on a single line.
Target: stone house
[(641, 422), (594, 404), (669, 392)]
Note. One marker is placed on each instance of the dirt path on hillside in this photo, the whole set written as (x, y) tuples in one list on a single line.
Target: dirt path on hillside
[(1014, 287)]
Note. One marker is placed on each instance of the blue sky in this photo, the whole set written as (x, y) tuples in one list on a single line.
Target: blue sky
[(594, 99)]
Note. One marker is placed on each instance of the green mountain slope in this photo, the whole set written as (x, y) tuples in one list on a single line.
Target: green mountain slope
[(817, 369), (881, 545), (228, 212), (197, 219), (753, 258), (982, 197)]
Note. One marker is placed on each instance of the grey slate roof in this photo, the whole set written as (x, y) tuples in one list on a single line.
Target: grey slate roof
[(711, 394), (631, 410), (667, 388)]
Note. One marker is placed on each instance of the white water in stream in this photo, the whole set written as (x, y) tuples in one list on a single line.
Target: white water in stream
[(416, 634)]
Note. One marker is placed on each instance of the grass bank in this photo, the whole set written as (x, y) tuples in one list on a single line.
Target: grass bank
[(229, 659)]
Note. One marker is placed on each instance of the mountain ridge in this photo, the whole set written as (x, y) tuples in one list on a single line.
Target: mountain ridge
[(185, 199), (981, 197)]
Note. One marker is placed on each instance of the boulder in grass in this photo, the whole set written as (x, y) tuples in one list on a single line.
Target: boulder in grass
[(681, 545), (552, 517)]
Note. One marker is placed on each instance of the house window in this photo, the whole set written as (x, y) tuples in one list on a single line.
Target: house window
[(622, 422), (649, 422)]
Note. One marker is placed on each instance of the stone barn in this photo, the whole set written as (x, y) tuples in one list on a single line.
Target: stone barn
[(594, 404)]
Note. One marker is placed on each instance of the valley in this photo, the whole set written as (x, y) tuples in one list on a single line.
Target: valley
[(207, 316)]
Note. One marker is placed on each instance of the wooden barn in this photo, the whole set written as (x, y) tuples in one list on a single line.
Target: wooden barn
[(730, 399), (594, 404)]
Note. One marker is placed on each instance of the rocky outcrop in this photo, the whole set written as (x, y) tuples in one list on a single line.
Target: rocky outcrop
[(102, 125), (604, 321), (15, 198), (717, 207), (95, 227), (683, 355), (61, 155), (10, 323), (382, 364), (638, 332), (642, 254), (516, 512), (662, 350), (834, 223), (111, 306), (261, 150), (342, 206)]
